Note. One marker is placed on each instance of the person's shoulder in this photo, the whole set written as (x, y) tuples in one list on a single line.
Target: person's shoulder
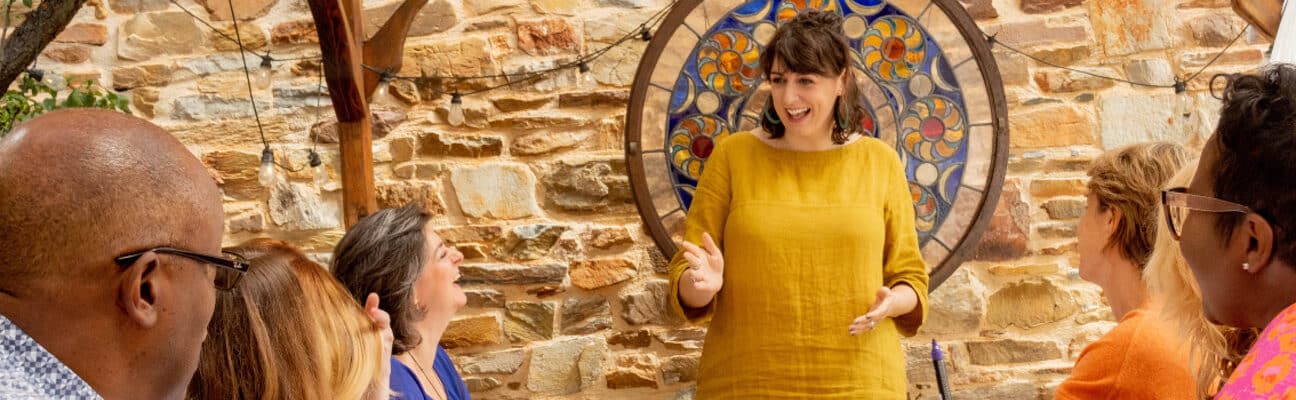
[(396, 365), (741, 139), (1112, 346), (737, 145), (1150, 325), (1156, 362), (876, 148)]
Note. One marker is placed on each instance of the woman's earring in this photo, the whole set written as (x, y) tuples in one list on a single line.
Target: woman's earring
[(840, 114), (771, 116), (1246, 267)]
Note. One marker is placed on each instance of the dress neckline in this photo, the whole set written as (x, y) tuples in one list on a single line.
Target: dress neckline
[(854, 140)]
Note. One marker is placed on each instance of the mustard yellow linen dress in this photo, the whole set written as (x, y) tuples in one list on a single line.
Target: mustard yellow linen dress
[(808, 239)]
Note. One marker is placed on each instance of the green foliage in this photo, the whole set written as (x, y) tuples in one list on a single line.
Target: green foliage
[(35, 97)]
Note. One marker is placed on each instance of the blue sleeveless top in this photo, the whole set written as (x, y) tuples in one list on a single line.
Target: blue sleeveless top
[(405, 384)]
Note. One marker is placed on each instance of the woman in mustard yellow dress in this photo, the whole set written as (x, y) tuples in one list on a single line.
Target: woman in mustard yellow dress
[(800, 245)]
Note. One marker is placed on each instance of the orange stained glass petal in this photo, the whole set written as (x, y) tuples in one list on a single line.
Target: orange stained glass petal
[(872, 40), (730, 62), (724, 40)]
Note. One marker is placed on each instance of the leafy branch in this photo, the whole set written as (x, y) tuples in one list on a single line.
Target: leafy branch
[(35, 96)]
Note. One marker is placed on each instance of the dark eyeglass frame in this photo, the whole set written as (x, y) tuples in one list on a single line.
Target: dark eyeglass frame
[(230, 262), (1179, 197)]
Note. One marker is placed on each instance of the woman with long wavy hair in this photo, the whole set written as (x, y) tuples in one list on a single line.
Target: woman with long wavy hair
[(1215, 349), (290, 331)]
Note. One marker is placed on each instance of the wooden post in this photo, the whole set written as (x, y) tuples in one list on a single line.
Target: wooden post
[(340, 26)]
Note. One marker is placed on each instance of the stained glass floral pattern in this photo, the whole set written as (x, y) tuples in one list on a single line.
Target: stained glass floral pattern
[(894, 47), (932, 129), (729, 62), (693, 140), (790, 8)]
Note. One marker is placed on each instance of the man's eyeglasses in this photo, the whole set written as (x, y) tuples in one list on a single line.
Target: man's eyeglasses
[(1178, 202), (231, 266)]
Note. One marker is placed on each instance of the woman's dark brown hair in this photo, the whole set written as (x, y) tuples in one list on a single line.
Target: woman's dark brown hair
[(814, 43), (383, 254)]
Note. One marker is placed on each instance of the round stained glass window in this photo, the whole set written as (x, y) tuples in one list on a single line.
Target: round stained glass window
[(928, 80)]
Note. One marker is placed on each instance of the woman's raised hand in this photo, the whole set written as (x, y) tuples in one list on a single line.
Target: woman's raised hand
[(705, 276)]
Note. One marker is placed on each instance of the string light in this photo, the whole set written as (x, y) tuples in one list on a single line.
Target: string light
[(52, 80), (586, 79), (382, 96), (456, 117), (266, 173), (318, 173), (1180, 85), (262, 75), (539, 74)]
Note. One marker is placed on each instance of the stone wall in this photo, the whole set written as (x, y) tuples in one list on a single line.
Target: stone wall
[(567, 293)]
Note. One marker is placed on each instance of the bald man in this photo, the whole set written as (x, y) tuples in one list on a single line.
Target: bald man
[(110, 238)]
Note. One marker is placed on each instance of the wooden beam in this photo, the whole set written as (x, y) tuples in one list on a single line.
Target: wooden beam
[(387, 47), (337, 46), (341, 69), (1262, 14), (340, 26)]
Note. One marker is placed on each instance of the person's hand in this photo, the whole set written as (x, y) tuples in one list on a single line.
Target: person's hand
[(382, 321), (705, 276), (881, 309)]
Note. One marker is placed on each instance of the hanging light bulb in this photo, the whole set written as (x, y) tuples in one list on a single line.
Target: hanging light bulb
[(1185, 117), (456, 117), (51, 79), (319, 174), (262, 75), (381, 90), (54, 81), (266, 174), (586, 79), (382, 95)]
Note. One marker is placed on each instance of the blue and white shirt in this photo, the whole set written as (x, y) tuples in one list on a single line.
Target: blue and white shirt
[(29, 372)]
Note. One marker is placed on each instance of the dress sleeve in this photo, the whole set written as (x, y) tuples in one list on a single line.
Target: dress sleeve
[(901, 260), (707, 213)]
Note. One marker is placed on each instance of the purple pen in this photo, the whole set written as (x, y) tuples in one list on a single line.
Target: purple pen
[(938, 360)]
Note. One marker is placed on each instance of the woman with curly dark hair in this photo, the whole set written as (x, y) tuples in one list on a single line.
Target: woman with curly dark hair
[(1236, 222)]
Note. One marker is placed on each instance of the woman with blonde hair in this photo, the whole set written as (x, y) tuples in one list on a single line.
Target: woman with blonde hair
[(1140, 358), (290, 331), (1215, 349)]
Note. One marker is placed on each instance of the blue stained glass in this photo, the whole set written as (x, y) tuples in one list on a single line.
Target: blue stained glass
[(899, 57)]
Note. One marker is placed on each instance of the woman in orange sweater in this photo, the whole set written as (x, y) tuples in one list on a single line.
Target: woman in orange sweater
[(1142, 357)]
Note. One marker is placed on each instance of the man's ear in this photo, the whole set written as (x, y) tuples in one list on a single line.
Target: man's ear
[(136, 293)]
